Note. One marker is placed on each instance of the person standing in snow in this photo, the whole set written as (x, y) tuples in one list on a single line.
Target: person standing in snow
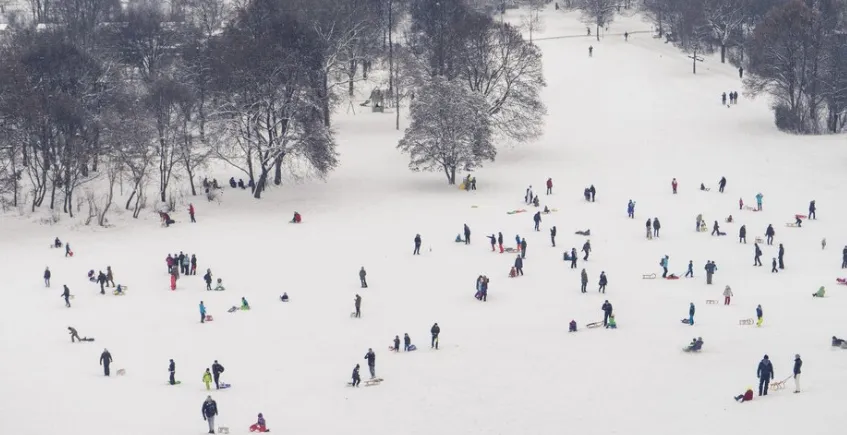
[(493, 239), (523, 248), (710, 271), (603, 282), (780, 255), (371, 358), (191, 213), (105, 361), (586, 248), (674, 185), (590, 51), (765, 374), (518, 265), (202, 312), (759, 313), (68, 252), (537, 219), (528, 197), (664, 263), (721, 184), (691, 314), (607, 311), (593, 192), (630, 209), (356, 378), (172, 372), (798, 363), (812, 210), (690, 272), (742, 234), (47, 275), (193, 264), (417, 250), (716, 229), (217, 369), (357, 302), (553, 235), (110, 277), (67, 295), (759, 197), (769, 233), (649, 227), (101, 279), (584, 280), (549, 186), (396, 343), (573, 258), (500, 241), (435, 330), (773, 266), (207, 379), (656, 227), (727, 293), (210, 411), (467, 234), (723, 98), (362, 275), (406, 342), (757, 254), (208, 278)]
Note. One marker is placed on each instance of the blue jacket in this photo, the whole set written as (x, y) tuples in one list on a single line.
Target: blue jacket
[(691, 310), (797, 364), (202, 308), (691, 267), (210, 409), (765, 370), (759, 198), (664, 262), (758, 312)]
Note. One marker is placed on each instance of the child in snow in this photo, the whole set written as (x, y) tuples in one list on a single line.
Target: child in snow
[(297, 218), (244, 304), (260, 425), (220, 286), (612, 323), (572, 326), (284, 297), (746, 397), (820, 293), (207, 379)]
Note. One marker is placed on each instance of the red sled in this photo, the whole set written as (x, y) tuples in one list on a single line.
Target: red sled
[(801, 216), (842, 281), (672, 277)]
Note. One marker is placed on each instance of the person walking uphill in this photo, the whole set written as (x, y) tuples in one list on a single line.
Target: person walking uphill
[(467, 234), (812, 209), (362, 275), (537, 220), (417, 250), (780, 255), (371, 357), (217, 369), (769, 233), (757, 255), (435, 330), (798, 363), (603, 282), (765, 374), (690, 271), (553, 235), (105, 361), (586, 248), (67, 295), (691, 314), (607, 311), (191, 213), (47, 275), (210, 411), (584, 280), (727, 294), (202, 312)]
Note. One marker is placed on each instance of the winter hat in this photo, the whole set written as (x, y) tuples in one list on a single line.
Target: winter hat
[(766, 357), (797, 356), (260, 414)]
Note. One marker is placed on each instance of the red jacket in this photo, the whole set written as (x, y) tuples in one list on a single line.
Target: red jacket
[(190, 209), (549, 183), (748, 395)]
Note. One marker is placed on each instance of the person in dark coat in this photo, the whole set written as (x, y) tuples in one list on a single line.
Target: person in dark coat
[(396, 343), (406, 342), (74, 334), (523, 248), (356, 378), (716, 229), (721, 184), (68, 250), (210, 411), (593, 192), (467, 234), (584, 280), (193, 264), (607, 311), (757, 254), (765, 374), (710, 271), (549, 186), (603, 282), (812, 210), (573, 258), (362, 275), (844, 258), (553, 235), (101, 279), (630, 209), (105, 361), (208, 278), (798, 363), (773, 266), (537, 220), (769, 233), (518, 265), (690, 271), (67, 295), (780, 254), (500, 241), (47, 273), (493, 240), (586, 248), (217, 369), (172, 372), (358, 304), (742, 234), (435, 330), (656, 227), (417, 250)]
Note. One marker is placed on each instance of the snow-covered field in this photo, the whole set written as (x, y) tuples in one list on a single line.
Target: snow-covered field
[(627, 120)]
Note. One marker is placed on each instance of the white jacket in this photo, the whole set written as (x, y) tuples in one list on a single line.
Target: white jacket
[(727, 292)]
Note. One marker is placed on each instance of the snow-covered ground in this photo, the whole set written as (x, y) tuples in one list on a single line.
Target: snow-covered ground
[(627, 120)]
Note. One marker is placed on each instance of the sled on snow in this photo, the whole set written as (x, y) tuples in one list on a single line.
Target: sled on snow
[(594, 325), (711, 301), (516, 211), (209, 318), (120, 372), (121, 292), (791, 224), (225, 386), (86, 339), (759, 240), (583, 233), (842, 281), (750, 208), (223, 430), (175, 383), (671, 276), (511, 250), (745, 322), (801, 216), (648, 276), (685, 321), (779, 385)]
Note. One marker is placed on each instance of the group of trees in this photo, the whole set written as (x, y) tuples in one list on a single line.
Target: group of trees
[(477, 81), (148, 91), (793, 50)]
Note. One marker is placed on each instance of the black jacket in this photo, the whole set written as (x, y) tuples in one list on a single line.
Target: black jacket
[(417, 240), (758, 251), (553, 231), (781, 251), (356, 373), (607, 308), (217, 369), (406, 340), (586, 247), (765, 370), (101, 278), (171, 367), (208, 278), (67, 292), (371, 357), (584, 277), (743, 231), (105, 358), (46, 273), (500, 238), (396, 342), (656, 224), (358, 302), (209, 409), (435, 329), (649, 223), (467, 230), (537, 217), (797, 364), (770, 232), (518, 263)]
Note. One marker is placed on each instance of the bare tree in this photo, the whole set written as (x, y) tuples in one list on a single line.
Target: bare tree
[(599, 13), (725, 17), (532, 21)]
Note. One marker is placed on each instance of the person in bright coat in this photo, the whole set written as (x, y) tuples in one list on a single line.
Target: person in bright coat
[(202, 312), (820, 293), (759, 197), (260, 425), (746, 397), (191, 213), (207, 379)]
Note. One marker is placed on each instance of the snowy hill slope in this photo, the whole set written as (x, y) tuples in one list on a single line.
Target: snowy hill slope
[(627, 120)]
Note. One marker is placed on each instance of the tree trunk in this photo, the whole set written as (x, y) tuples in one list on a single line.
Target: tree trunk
[(278, 171), (598, 32), (260, 184), (390, 49), (723, 53), (694, 61), (351, 76)]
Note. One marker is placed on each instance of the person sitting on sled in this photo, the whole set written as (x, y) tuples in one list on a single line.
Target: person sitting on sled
[(695, 345), (220, 286), (119, 290), (729, 219), (260, 425), (244, 304), (284, 297), (572, 326), (820, 293), (546, 210), (746, 397), (612, 324), (57, 243), (837, 342), (297, 218)]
